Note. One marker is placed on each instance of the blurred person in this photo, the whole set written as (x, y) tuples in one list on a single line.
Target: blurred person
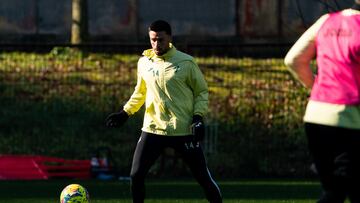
[(332, 117), (175, 94)]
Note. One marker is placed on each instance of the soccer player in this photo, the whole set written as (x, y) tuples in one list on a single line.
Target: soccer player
[(175, 94), (332, 117)]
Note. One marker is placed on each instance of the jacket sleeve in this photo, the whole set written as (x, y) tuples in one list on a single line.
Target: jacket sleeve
[(137, 99), (200, 90)]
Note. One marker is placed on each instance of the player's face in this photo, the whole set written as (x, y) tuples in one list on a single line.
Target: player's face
[(160, 42)]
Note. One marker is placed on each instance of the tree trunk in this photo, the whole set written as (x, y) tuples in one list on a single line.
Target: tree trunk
[(79, 26)]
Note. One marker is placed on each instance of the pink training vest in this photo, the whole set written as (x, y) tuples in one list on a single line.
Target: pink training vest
[(338, 61)]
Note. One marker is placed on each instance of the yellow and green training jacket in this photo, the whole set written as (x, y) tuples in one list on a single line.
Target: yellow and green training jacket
[(173, 90)]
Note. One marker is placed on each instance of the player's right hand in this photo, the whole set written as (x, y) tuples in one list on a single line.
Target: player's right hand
[(116, 119)]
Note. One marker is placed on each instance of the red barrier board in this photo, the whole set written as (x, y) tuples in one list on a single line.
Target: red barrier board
[(31, 167)]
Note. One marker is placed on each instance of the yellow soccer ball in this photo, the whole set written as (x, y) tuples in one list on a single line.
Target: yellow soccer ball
[(74, 193)]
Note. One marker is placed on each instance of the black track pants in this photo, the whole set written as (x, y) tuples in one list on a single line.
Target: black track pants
[(149, 148), (336, 154)]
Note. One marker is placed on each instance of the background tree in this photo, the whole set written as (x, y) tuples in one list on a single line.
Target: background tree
[(79, 28)]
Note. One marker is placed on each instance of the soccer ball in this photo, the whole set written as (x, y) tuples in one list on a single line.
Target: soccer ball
[(74, 193)]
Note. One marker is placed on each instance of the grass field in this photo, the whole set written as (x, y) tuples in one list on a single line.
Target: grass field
[(254, 106), (246, 191)]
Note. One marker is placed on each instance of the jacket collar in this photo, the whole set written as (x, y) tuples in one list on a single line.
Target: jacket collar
[(149, 53)]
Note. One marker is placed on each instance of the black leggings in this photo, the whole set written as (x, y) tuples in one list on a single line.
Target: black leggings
[(149, 148), (336, 154)]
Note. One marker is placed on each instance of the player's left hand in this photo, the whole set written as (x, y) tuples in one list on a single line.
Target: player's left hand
[(198, 128)]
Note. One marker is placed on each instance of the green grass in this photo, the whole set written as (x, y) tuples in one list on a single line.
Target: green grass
[(183, 191), (54, 104)]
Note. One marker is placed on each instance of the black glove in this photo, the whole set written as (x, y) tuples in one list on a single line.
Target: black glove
[(116, 119), (198, 128)]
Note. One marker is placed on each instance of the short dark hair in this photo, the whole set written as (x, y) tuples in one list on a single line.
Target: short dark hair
[(160, 25)]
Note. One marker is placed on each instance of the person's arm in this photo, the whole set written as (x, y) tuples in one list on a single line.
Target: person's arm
[(137, 99), (200, 90), (301, 54), (201, 101)]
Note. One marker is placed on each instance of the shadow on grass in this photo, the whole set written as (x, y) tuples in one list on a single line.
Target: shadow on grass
[(245, 190)]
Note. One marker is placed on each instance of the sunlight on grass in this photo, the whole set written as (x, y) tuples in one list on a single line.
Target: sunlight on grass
[(255, 102)]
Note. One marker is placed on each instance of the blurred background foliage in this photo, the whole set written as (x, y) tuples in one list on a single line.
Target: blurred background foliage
[(55, 104)]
